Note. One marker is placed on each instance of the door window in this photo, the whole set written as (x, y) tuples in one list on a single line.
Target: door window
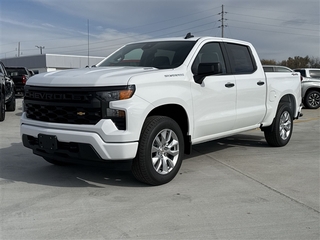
[(209, 53), (241, 59)]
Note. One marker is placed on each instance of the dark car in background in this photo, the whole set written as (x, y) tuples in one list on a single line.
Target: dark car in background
[(20, 76), (7, 93)]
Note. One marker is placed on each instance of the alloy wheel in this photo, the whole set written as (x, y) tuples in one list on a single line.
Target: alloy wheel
[(165, 151), (285, 125)]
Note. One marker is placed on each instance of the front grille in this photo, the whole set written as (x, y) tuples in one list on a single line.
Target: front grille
[(67, 105), (63, 114)]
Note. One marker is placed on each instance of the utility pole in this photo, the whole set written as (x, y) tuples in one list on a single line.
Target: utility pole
[(88, 46), (18, 49), (40, 47), (222, 26)]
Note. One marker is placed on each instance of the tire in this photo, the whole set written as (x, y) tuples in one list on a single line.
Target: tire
[(160, 151), (56, 162), (11, 106), (312, 100), (2, 108), (279, 133)]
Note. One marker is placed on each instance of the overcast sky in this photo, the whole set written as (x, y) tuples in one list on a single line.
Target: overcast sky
[(278, 29)]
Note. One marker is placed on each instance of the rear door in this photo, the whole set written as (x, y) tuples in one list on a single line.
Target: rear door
[(250, 86)]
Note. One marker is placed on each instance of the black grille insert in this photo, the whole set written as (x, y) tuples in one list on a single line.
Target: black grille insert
[(63, 114), (67, 105)]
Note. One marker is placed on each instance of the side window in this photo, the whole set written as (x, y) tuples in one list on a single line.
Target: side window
[(282, 69), (241, 59), (314, 73), (1, 69), (268, 69), (209, 53)]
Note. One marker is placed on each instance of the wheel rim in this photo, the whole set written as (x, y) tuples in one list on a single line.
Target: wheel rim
[(165, 151), (314, 99), (285, 125)]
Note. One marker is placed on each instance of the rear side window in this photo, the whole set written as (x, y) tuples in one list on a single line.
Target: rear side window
[(241, 59), (268, 69)]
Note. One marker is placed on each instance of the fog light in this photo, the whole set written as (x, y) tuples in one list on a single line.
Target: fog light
[(115, 113)]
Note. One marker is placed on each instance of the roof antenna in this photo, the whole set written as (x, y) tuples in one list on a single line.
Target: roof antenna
[(189, 35)]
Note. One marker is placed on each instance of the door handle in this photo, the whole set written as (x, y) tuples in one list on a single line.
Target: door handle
[(260, 83), (229, 85)]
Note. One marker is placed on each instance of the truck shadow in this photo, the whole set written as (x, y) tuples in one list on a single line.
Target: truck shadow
[(19, 164), (239, 140)]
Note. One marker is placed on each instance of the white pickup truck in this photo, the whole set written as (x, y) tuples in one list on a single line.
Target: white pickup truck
[(150, 101)]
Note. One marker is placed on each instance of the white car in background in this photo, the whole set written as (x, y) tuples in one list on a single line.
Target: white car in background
[(276, 68), (310, 87)]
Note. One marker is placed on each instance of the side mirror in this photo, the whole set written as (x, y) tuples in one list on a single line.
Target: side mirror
[(207, 69)]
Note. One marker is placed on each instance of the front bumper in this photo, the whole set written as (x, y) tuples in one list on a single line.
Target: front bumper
[(73, 145)]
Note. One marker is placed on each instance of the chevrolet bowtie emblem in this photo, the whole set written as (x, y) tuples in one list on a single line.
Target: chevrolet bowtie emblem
[(81, 113)]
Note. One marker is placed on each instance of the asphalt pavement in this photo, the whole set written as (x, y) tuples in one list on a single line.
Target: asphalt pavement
[(233, 188)]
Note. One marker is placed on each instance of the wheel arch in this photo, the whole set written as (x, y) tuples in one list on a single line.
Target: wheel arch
[(178, 114), (290, 100)]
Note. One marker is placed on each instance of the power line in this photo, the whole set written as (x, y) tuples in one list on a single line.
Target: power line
[(135, 27), (166, 31), (303, 29), (263, 30), (252, 16), (266, 10), (143, 33)]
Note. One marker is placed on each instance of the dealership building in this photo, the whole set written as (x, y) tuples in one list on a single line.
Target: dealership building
[(51, 62)]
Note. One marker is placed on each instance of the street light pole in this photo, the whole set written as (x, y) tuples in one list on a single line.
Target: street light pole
[(40, 47)]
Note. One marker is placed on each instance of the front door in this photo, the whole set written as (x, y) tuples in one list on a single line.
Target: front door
[(214, 101)]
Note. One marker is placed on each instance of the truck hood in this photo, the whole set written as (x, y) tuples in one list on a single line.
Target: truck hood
[(88, 77)]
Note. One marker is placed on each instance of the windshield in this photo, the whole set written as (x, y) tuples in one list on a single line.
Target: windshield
[(163, 55)]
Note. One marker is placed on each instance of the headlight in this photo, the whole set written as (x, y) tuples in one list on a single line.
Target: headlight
[(121, 94), (116, 115)]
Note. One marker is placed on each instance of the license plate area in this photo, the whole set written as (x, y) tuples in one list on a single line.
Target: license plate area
[(48, 142)]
